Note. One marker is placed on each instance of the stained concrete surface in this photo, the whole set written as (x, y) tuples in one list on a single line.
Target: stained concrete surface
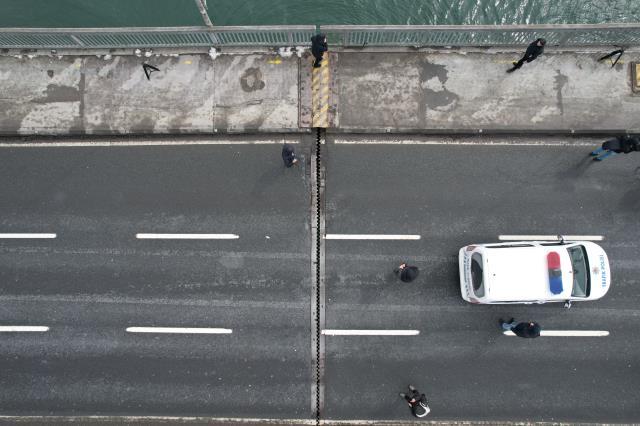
[(457, 91), (371, 92), (189, 93)]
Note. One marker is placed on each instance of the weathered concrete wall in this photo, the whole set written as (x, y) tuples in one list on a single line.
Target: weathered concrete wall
[(190, 93), (370, 92), (453, 91)]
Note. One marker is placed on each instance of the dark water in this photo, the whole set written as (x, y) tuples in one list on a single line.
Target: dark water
[(109, 13)]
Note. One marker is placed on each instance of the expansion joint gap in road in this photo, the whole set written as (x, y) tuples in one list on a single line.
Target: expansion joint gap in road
[(318, 273)]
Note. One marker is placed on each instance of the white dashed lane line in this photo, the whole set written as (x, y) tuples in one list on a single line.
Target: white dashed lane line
[(23, 328), (187, 236), (334, 332), (371, 237), (179, 330), (27, 236), (567, 333)]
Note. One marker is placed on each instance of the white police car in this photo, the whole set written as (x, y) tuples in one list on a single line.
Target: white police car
[(533, 272)]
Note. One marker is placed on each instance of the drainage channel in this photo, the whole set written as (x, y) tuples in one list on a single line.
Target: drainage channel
[(317, 260)]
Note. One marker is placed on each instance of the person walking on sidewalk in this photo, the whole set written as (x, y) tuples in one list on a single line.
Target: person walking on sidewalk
[(289, 155), (318, 47), (534, 50), (617, 145), (406, 273), (527, 329), (417, 402)]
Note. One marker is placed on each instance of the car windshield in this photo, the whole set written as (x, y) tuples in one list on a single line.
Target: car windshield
[(476, 274), (580, 265)]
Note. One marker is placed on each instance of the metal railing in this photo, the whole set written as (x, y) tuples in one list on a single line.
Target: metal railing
[(339, 35), (86, 38), (481, 35)]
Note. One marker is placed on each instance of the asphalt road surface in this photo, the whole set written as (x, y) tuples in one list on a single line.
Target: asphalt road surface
[(97, 278), (454, 195)]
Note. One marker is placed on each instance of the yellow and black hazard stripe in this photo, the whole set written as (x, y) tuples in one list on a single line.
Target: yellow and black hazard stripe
[(320, 94)]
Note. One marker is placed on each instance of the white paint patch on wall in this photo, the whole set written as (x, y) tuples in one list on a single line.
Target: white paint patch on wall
[(53, 117), (544, 112)]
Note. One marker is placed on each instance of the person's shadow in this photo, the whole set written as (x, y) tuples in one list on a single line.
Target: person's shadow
[(568, 176), (278, 175), (631, 199)]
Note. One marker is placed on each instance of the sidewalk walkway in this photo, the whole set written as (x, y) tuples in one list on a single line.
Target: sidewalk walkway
[(369, 92)]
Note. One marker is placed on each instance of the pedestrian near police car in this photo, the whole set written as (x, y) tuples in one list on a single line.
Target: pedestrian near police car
[(406, 273), (528, 329)]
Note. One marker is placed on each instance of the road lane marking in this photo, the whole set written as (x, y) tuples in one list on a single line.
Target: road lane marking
[(187, 236), (128, 419), (26, 235), (179, 330), (562, 143), (370, 237), (550, 237), (567, 333), (329, 332), (22, 328), (141, 143)]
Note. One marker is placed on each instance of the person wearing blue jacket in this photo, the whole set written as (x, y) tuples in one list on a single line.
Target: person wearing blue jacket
[(618, 145)]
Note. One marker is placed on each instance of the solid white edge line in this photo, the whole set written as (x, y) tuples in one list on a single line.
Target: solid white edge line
[(22, 328), (26, 235), (179, 330), (138, 143), (477, 143), (370, 237), (550, 237), (567, 333), (187, 236), (334, 332), (79, 419)]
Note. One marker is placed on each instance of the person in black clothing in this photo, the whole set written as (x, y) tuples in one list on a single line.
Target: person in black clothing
[(527, 329), (318, 47), (417, 402), (534, 50), (407, 273), (621, 144), (289, 155)]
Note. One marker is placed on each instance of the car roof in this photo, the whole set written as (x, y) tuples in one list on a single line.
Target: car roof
[(520, 273)]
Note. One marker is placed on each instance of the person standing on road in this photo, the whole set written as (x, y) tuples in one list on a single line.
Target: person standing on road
[(318, 47), (417, 402), (527, 329), (621, 144), (534, 50), (289, 155), (406, 273)]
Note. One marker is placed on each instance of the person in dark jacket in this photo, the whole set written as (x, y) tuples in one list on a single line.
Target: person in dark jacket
[(318, 47), (407, 273), (621, 144), (417, 402), (289, 155), (534, 50), (527, 329)]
